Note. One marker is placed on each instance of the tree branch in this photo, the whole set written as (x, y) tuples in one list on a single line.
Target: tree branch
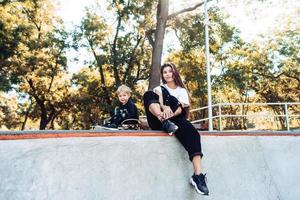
[(102, 76), (39, 101), (292, 77), (114, 51), (56, 64), (132, 58), (149, 34), (173, 15)]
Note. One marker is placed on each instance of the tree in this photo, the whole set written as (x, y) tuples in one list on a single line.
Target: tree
[(162, 17), (37, 60), (89, 103), (122, 50), (190, 59), (10, 36), (119, 50), (8, 112), (270, 70)]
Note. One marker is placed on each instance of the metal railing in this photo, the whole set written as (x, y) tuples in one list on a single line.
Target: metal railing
[(221, 116)]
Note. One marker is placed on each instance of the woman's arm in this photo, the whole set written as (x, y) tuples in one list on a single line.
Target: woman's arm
[(178, 111), (184, 98), (185, 102), (167, 111), (159, 93)]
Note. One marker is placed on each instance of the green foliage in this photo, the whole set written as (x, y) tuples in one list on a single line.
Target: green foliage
[(33, 63), (271, 70), (9, 118), (35, 57), (121, 53), (191, 59), (191, 34)]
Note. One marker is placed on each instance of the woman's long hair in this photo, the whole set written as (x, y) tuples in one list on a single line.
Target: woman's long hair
[(177, 78), (178, 82)]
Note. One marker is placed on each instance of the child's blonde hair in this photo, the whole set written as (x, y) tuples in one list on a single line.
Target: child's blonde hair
[(124, 88)]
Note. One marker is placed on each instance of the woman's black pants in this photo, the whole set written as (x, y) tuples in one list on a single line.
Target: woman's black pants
[(186, 132)]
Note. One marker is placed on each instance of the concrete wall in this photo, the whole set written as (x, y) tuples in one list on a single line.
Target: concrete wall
[(150, 167)]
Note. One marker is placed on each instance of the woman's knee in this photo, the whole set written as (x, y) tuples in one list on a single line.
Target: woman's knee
[(154, 108), (149, 98), (150, 95)]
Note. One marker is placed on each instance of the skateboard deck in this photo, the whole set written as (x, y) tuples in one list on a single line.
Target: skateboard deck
[(128, 124)]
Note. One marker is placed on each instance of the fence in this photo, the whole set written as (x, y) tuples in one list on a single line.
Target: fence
[(287, 115)]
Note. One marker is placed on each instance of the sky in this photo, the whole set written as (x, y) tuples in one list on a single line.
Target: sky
[(259, 18), (251, 19)]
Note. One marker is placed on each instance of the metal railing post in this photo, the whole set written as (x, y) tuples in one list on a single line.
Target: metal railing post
[(287, 120), (209, 98), (220, 117)]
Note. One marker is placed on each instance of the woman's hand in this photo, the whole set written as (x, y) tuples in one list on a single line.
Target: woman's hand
[(167, 112), (178, 111)]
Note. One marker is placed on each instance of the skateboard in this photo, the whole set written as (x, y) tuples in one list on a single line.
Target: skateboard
[(128, 124)]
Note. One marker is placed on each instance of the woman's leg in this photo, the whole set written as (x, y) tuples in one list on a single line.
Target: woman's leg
[(197, 164), (152, 108), (191, 141), (154, 114), (188, 137)]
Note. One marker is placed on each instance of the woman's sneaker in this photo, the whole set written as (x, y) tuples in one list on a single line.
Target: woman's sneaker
[(199, 182), (169, 127)]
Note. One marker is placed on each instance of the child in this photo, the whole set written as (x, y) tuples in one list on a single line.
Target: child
[(126, 110)]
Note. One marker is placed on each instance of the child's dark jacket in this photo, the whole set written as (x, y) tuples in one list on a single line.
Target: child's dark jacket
[(123, 112)]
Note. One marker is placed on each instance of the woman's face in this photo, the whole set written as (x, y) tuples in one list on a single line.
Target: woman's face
[(167, 74)]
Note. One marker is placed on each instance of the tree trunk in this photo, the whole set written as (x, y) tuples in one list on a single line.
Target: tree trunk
[(44, 121), (53, 118), (102, 77), (244, 119), (45, 116), (161, 16), (279, 111), (114, 53), (26, 116)]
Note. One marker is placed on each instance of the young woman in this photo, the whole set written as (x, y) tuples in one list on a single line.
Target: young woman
[(166, 110)]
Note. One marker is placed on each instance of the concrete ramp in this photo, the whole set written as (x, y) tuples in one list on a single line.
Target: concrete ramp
[(148, 166)]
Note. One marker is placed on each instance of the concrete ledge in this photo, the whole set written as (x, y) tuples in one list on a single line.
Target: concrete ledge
[(40, 134), (16, 135)]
